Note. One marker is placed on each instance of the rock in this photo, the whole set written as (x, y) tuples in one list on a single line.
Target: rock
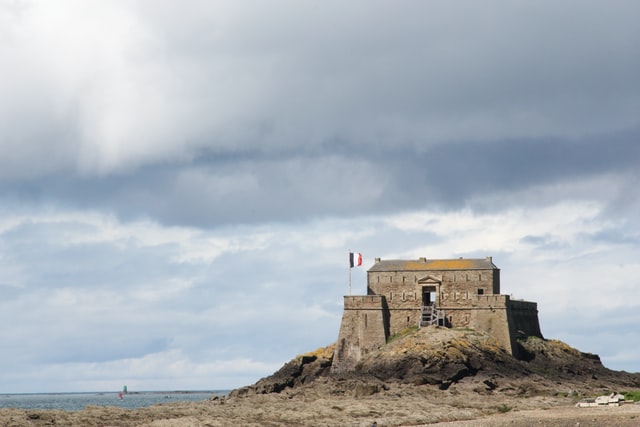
[(490, 384), (442, 357), (363, 390)]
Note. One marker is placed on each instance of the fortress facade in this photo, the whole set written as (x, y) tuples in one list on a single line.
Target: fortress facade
[(458, 293)]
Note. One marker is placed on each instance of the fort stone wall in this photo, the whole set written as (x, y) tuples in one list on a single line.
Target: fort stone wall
[(403, 318), (458, 288), (403, 289), (490, 314), (363, 328), (504, 319)]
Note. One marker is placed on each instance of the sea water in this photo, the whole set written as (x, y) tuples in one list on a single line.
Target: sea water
[(78, 401)]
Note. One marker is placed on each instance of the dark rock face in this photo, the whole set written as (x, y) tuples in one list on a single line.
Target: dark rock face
[(441, 357), (302, 370)]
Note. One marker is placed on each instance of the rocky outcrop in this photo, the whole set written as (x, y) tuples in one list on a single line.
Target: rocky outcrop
[(441, 358), (302, 370)]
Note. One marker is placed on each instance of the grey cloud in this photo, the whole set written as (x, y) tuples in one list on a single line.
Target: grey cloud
[(43, 247), (245, 189), (465, 169), (490, 76), (98, 344), (219, 79)]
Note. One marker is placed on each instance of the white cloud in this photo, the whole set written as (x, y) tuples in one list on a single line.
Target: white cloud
[(170, 370), (236, 290)]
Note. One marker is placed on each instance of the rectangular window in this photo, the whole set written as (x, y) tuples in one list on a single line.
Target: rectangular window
[(480, 291)]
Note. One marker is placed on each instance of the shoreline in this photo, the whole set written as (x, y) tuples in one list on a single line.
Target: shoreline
[(396, 407)]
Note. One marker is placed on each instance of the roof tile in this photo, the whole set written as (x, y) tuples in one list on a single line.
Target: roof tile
[(434, 264)]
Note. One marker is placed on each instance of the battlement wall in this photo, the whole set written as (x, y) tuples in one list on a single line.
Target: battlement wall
[(363, 302), (364, 328), (490, 313), (488, 301)]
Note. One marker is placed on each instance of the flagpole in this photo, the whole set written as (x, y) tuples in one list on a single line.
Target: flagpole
[(349, 272)]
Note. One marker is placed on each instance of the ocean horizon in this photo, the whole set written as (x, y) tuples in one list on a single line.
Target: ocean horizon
[(75, 401)]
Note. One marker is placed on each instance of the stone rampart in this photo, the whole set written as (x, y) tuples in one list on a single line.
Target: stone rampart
[(524, 318), (490, 313), (363, 328)]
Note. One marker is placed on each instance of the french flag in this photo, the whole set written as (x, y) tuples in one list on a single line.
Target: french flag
[(355, 259)]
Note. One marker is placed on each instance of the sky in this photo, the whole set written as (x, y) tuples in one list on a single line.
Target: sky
[(181, 182)]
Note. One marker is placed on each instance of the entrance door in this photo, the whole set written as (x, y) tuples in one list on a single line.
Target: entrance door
[(428, 296)]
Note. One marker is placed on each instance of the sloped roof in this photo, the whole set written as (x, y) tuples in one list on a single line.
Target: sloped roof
[(424, 264)]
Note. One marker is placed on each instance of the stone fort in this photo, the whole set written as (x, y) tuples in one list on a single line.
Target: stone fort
[(458, 293)]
